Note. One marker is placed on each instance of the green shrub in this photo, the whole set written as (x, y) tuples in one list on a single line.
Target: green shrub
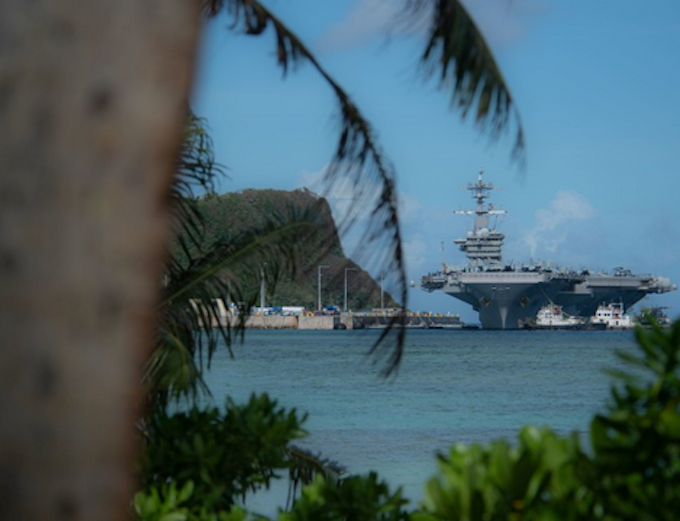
[(537, 479), (225, 454), (357, 498), (631, 472), (636, 443)]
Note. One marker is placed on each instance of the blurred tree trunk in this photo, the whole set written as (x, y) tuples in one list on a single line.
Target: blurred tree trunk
[(92, 106)]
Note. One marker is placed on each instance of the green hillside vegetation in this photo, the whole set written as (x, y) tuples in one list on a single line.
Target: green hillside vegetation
[(229, 215)]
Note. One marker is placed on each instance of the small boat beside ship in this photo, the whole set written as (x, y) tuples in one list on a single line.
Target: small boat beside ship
[(553, 317), (654, 315), (613, 316), (607, 316)]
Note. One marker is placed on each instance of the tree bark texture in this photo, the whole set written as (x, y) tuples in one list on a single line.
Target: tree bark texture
[(93, 100)]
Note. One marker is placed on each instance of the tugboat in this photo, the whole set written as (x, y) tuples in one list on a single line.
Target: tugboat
[(655, 314), (553, 317), (613, 317)]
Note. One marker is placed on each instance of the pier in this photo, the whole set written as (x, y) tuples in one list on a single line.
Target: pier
[(348, 320)]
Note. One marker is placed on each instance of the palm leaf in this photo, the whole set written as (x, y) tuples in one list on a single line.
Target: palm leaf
[(304, 466), (457, 52), (456, 49), (190, 316), (358, 162), (199, 271)]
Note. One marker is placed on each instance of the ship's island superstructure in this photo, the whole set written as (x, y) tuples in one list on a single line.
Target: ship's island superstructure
[(506, 295)]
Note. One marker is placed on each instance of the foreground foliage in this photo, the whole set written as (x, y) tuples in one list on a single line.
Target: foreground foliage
[(636, 444), (224, 454), (631, 470), (537, 479)]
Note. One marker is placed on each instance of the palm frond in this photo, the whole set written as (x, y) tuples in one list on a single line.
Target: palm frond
[(203, 273), (191, 322), (195, 175), (358, 162), (304, 466), (457, 54)]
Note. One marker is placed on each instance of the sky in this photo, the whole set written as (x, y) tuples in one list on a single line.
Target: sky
[(597, 87)]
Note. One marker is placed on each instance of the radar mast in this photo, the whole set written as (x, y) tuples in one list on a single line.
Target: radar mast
[(483, 244)]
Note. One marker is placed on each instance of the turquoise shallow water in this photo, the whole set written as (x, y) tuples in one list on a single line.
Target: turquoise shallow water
[(452, 386)]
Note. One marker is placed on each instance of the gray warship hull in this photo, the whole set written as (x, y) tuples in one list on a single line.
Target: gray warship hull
[(507, 299), (505, 296)]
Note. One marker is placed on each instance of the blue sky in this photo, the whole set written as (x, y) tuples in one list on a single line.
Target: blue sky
[(597, 86)]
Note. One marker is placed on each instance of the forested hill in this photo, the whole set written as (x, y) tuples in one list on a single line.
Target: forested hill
[(235, 213)]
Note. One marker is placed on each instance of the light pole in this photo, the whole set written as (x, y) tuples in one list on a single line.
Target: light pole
[(382, 292), (262, 289), (346, 270), (321, 266)]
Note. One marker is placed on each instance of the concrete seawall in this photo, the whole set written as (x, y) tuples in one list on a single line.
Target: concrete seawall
[(323, 322), (375, 319), (348, 322), (303, 323), (271, 322)]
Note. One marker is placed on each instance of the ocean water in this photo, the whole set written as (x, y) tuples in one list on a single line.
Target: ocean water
[(452, 386)]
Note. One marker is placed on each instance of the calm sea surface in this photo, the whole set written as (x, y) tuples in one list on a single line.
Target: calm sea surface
[(453, 386)]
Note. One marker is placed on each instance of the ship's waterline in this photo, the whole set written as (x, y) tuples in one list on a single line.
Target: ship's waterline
[(506, 295)]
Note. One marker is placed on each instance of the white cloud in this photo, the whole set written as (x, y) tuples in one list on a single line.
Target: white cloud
[(417, 254), (351, 219), (420, 249), (410, 208), (312, 180), (341, 195), (506, 22), (501, 22), (556, 224), (366, 20)]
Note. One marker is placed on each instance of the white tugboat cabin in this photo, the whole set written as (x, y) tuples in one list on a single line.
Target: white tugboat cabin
[(613, 316)]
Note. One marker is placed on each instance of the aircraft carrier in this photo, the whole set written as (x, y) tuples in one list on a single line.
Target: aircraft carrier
[(506, 295)]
